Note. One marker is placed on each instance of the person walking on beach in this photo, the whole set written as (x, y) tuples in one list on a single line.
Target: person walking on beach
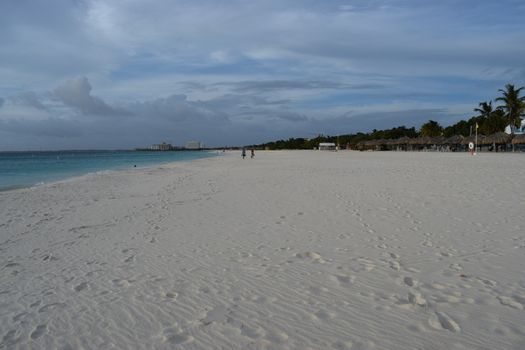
[(243, 153), (253, 153)]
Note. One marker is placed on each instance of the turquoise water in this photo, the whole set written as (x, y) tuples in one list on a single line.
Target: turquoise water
[(24, 169)]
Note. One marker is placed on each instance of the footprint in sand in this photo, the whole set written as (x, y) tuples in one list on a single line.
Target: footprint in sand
[(19, 316), (81, 286), (487, 282), (277, 336), (10, 337), (312, 256), (409, 281), (342, 345), (39, 331), (52, 306), (440, 320), (171, 295), (416, 298), (252, 332), (178, 339), (427, 243), (456, 267), (510, 302), (394, 265), (217, 314), (324, 315), (343, 280), (121, 283)]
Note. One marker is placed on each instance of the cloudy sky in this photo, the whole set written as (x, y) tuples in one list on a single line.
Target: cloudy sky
[(77, 74)]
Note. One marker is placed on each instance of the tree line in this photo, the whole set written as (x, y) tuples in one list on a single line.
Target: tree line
[(489, 120)]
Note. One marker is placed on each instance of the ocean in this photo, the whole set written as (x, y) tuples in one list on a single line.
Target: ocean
[(26, 169)]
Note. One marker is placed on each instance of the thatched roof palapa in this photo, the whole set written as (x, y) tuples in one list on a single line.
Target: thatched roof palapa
[(403, 140), (438, 140), (519, 139), (454, 140), (391, 142), (415, 141), (424, 140), (498, 138), (472, 138)]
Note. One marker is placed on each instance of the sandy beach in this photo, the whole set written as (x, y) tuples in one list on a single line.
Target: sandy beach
[(290, 250)]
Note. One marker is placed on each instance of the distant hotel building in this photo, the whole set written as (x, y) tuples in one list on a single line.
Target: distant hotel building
[(161, 147), (194, 145)]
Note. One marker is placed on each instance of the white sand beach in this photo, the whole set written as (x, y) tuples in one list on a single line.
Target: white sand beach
[(290, 250)]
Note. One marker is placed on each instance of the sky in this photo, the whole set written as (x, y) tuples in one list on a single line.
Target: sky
[(115, 74)]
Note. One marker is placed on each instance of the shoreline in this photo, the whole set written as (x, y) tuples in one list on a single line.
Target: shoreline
[(79, 174), (292, 249)]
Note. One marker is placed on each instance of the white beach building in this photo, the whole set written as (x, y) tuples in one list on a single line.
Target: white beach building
[(327, 146), (517, 131), (161, 147)]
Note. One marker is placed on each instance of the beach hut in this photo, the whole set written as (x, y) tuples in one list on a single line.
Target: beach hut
[(400, 144), (519, 139), (419, 143), (381, 144), (327, 146), (468, 139), (499, 138), (437, 141), (453, 143), (453, 140)]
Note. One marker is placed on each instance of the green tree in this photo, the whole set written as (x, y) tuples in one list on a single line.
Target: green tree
[(460, 128), (513, 105), (485, 109), (496, 122), (431, 128)]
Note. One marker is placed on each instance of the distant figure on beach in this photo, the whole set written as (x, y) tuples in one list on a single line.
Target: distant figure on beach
[(252, 153), (243, 153)]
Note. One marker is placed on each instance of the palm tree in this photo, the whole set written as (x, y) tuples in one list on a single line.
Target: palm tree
[(485, 109), (513, 105)]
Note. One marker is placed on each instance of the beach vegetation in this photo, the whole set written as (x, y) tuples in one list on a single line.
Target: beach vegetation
[(489, 120), (431, 129), (513, 105)]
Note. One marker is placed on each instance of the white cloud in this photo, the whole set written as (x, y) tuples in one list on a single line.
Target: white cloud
[(76, 93), (202, 66)]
